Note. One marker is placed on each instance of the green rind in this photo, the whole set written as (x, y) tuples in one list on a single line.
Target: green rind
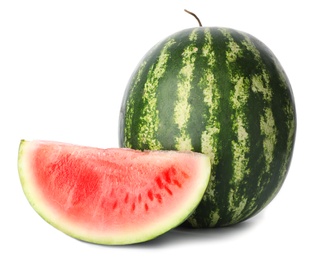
[(225, 94)]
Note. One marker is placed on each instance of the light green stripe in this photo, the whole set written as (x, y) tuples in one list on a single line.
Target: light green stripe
[(261, 85), (130, 107), (193, 35), (240, 147), (150, 118), (268, 129), (289, 113), (209, 138), (182, 107), (234, 49), (211, 99)]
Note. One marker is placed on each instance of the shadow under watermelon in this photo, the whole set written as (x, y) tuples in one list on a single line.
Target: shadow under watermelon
[(186, 236)]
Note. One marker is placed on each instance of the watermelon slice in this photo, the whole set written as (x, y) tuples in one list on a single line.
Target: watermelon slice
[(111, 196)]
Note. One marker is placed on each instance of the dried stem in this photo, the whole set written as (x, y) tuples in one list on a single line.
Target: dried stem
[(199, 22)]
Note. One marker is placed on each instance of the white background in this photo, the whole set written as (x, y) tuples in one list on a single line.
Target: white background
[(64, 66)]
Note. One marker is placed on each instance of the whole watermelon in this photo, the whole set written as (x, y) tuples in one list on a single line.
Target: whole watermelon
[(223, 93)]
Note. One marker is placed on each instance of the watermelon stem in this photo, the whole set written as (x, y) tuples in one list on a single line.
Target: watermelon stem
[(199, 22)]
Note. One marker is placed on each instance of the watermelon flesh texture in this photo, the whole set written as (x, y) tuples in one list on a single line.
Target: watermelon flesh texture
[(111, 196)]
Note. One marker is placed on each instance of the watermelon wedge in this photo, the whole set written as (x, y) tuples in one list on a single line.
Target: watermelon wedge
[(111, 196)]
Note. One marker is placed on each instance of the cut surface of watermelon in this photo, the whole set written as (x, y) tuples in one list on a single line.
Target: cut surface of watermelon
[(111, 196)]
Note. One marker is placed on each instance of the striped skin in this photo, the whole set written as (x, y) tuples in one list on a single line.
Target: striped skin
[(223, 93)]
